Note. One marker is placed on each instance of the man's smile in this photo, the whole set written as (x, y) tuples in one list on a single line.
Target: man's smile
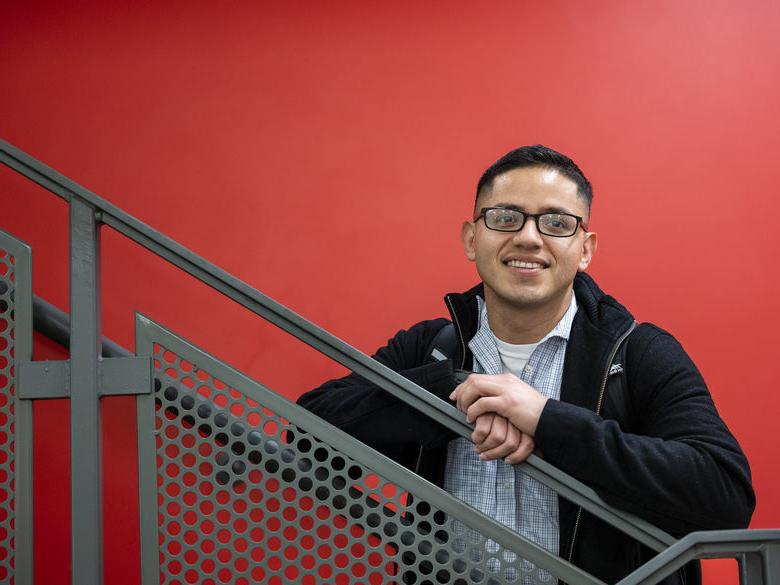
[(525, 265)]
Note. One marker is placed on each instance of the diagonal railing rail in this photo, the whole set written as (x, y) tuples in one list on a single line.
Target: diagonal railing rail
[(86, 372)]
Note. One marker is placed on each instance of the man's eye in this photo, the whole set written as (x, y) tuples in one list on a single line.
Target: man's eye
[(506, 218), (555, 221)]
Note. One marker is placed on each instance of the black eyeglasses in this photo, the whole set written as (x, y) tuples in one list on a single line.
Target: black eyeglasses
[(558, 225)]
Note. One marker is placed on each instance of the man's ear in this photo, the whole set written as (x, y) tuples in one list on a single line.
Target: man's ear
[(589, 245), (467, 238)]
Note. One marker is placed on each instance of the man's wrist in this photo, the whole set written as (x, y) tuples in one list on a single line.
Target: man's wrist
[(535, 413)]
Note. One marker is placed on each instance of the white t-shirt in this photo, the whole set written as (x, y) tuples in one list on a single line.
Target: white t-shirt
[(514, 357)]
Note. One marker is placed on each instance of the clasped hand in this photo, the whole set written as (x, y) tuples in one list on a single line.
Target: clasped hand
[(505, 411)]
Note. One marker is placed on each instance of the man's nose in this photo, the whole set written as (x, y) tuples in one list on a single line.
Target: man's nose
[(529, 235)]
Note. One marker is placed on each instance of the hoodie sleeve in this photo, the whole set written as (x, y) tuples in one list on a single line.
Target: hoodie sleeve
[(373, 415), (680, 468)]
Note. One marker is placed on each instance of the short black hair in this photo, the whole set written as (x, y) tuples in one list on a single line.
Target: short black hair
[(537, 155)]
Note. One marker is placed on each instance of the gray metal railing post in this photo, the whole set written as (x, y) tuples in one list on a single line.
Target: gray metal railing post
[(86, 490), (762, 567)]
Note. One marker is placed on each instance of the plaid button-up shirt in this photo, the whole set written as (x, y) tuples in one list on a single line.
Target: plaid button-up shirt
[(498, 489)]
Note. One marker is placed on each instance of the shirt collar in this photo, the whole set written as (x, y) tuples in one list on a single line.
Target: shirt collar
[(562, 329)]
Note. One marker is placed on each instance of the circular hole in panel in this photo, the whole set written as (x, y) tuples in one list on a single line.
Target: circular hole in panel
[(187, 402), (191, 557), (324, 571), (241, 565), (273, 524), (425, 567), (256, 535), (290, 514), (223, 536), (207, 566), (256, 515)]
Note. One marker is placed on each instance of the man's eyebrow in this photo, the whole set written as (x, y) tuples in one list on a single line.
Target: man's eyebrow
[(551, 209)]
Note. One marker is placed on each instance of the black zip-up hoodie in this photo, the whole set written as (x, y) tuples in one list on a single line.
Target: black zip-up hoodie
[(678, 466)]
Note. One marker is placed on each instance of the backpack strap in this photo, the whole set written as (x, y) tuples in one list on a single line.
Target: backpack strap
[(443, 345)]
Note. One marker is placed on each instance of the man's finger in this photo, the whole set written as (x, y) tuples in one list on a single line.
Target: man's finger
[(508, 446), (481, 406), (522, 452), (495, 437), (482, 428)]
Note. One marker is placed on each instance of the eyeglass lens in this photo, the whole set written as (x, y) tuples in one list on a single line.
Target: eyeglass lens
[(551, 224)]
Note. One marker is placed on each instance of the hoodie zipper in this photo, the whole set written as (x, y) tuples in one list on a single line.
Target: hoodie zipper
[(603, 388)]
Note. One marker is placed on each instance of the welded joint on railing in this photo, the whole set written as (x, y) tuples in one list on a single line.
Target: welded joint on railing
[(51, 379)]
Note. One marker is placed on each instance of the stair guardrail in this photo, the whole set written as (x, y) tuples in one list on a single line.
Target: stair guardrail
[(87, 376)]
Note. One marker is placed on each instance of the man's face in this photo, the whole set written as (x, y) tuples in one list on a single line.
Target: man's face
[(525, 269)]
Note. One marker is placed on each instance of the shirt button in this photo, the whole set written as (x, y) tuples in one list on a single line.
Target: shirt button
[(528, 369), (508, 486)]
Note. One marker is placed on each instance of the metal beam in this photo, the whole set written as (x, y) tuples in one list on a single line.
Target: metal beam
[(85, 439), (117, 377)]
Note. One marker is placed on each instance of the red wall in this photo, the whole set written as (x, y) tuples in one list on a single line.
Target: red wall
[(327, 155)]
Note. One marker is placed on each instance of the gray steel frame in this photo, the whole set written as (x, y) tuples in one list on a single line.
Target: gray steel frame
[(88, 211), (23, 410)]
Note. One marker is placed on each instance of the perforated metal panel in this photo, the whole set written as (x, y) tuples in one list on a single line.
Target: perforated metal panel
[(7, 391), (245, 495), (15, 417)]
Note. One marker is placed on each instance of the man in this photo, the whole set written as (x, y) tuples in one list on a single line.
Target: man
[(539, 335)]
